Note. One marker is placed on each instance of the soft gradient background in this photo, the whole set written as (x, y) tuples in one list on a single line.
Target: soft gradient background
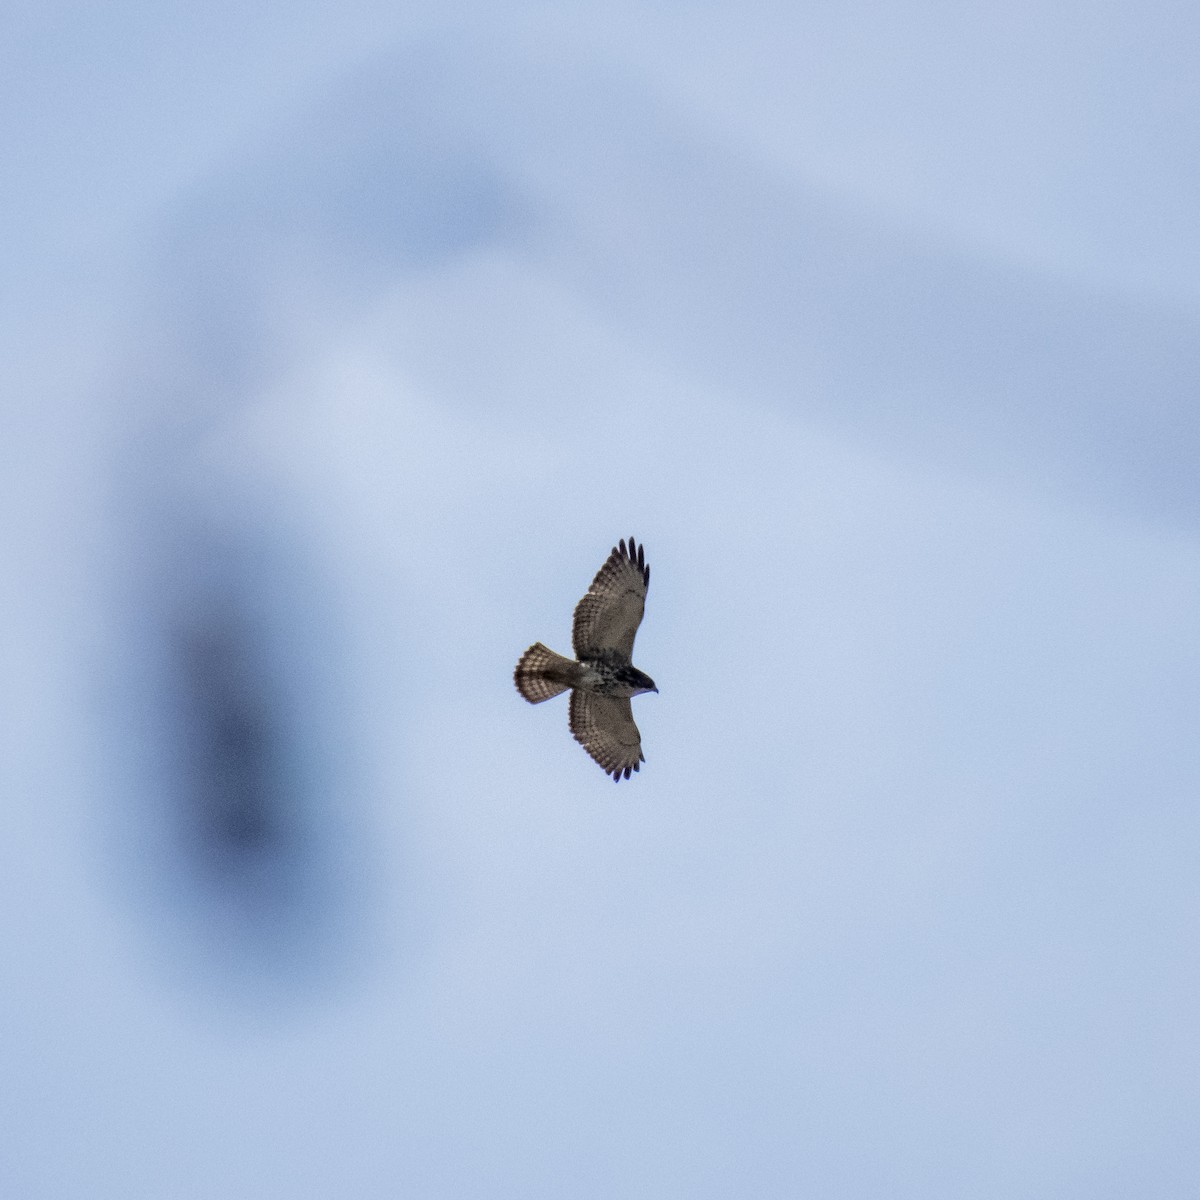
[(339, 343)]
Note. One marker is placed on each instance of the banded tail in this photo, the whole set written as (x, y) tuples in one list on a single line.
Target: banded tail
[(541, 674)]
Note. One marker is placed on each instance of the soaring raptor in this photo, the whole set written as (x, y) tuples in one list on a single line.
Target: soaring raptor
[(604, 677)]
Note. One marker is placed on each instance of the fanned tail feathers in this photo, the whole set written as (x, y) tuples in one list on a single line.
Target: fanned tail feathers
[(541, 674)]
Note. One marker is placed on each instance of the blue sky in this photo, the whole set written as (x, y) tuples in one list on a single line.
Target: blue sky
[(344, 346)]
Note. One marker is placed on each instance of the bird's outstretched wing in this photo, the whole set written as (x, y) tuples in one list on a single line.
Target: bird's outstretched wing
[(603, 726), (607, 618)]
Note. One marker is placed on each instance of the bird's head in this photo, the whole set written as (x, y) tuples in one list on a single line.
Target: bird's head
[(642, 682)]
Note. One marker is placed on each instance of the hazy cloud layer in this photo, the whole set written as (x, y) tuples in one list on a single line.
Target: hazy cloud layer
[(304, 901)]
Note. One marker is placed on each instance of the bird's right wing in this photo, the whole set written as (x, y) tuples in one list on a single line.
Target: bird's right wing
[(607, 618)]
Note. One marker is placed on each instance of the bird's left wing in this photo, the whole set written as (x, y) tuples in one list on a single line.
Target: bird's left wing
[(604, 727), (607, 618)]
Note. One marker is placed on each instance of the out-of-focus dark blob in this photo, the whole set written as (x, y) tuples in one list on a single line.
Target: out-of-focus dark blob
[(244, 822), (234, 757)]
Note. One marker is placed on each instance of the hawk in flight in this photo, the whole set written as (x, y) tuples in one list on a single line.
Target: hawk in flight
[(604, 677)]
